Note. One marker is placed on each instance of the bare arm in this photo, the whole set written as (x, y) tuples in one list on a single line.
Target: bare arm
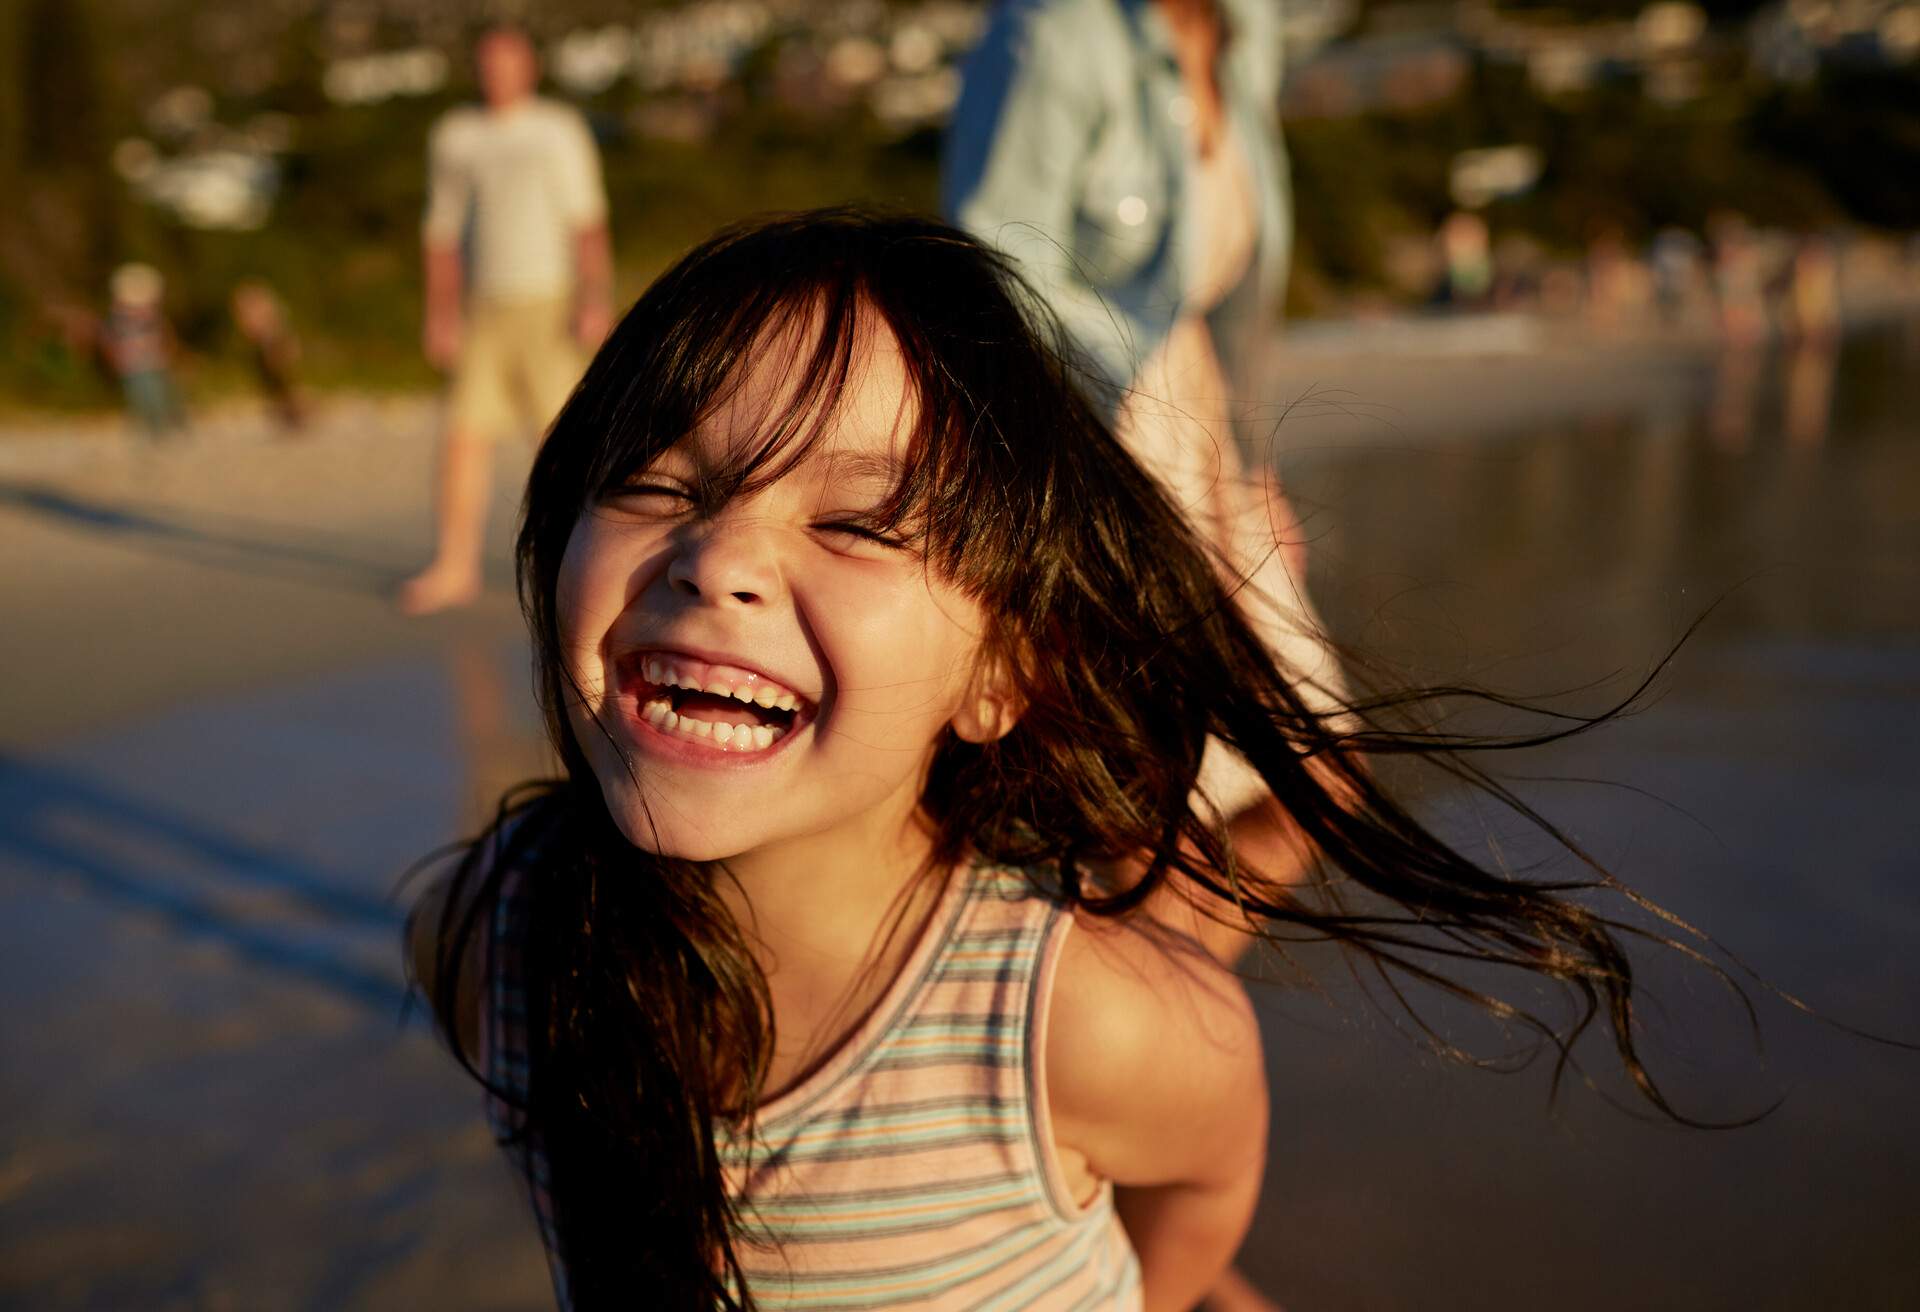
[(593, 280), (1156, 1079), (444, 280), (423, 966), (449, 195)]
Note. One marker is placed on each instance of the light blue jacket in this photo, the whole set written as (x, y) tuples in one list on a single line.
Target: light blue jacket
[(1068, 150)]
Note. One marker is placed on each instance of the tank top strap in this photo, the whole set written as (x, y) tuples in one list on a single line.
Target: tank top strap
[(979, 988), (503, 1030)]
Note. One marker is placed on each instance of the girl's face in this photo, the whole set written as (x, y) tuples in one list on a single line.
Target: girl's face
[(778, 669)]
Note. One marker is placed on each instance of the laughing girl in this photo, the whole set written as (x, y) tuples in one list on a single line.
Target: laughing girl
[(844, 965)]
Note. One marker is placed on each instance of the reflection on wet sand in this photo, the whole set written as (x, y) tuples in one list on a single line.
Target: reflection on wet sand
[(1763, 794), (1811, 367), (1736, 397), (210, 1097)]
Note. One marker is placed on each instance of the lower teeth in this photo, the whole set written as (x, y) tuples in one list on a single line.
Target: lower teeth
[(729, 737)]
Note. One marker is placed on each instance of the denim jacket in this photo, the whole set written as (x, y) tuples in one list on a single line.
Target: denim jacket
[(1069, 151)]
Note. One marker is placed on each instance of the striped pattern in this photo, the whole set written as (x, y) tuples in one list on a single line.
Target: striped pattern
[(915, 1167)]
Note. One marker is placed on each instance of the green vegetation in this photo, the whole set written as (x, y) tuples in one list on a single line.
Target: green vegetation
[(342, 248), (342, 244), (1837, 151)]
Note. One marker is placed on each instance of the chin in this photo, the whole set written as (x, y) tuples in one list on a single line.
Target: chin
[(655, 829)]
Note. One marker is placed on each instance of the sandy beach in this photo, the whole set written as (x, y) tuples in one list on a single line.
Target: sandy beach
[(220, 745)]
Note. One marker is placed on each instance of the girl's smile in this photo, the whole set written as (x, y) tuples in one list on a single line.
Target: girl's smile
[(698, 710)]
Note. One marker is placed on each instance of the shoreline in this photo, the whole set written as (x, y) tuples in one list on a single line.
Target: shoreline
[(1330, 382), (1345, 384)]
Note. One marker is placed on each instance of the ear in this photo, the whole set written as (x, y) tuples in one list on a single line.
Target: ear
[(992, 704)]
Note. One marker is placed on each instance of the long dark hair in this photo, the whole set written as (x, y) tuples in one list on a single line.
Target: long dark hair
[(647, 1021)]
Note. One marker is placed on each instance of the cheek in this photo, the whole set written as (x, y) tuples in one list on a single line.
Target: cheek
[(597, 576), (574, 598), (907, 650)]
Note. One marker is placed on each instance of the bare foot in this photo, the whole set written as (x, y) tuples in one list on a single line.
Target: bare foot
[(438, 587), (1233, 1292)]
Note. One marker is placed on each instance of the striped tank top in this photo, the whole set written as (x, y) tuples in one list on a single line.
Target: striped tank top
[(915, 1167)]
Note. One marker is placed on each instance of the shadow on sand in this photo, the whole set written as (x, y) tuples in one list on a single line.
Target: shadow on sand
[(61, 822), (217, 541)]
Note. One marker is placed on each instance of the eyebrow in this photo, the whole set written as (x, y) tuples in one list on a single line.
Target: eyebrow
[(860, 466)]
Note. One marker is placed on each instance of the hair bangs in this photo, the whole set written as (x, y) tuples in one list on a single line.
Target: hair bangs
[(815, 305)]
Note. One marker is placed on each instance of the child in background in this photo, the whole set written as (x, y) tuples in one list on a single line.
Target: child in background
[(274, 350), (855, 960), (138, 346)]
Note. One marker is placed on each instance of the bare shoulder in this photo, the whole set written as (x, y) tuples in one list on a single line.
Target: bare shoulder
[(1154, 1069), (434, 921)]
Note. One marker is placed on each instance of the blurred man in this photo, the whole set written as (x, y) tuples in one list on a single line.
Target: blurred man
[(518, 280)]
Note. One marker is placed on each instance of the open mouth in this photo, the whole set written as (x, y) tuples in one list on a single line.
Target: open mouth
[(726, 707)]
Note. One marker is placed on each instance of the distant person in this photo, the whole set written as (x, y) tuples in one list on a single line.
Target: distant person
[(1127, 154), (138, 346), (518, 287), (1675, 261), (1466, 262), (1517, 265), (273, 349)]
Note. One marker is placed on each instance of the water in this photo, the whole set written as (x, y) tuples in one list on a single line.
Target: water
[(207, 1099), (1765, 794)]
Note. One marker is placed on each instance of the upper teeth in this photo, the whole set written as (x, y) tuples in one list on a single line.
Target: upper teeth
[(662, 671)]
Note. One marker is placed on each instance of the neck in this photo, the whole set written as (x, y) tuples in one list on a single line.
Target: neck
[(837, 894)]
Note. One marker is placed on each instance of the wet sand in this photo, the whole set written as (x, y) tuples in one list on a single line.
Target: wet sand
[(219, 746), (1764, 793)]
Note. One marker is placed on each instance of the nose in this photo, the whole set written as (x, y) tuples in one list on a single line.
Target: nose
[(726, 561)]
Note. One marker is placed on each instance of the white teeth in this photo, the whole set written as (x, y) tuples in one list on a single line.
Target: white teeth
[(662, 672), (732, 737)]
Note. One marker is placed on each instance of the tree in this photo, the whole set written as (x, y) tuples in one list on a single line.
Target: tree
[(58, 236)]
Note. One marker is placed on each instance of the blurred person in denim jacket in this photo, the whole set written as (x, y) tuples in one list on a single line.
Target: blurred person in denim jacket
[(1127, 155), (1085, 133)]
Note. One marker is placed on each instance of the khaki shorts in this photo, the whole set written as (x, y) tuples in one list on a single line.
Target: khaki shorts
[(518, 363)]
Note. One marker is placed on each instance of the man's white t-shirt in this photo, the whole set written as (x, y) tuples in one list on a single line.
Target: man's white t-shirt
[(517, 185)]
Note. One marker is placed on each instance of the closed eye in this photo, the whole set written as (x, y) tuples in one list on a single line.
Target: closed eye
[(656, 496), (853, 528)]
